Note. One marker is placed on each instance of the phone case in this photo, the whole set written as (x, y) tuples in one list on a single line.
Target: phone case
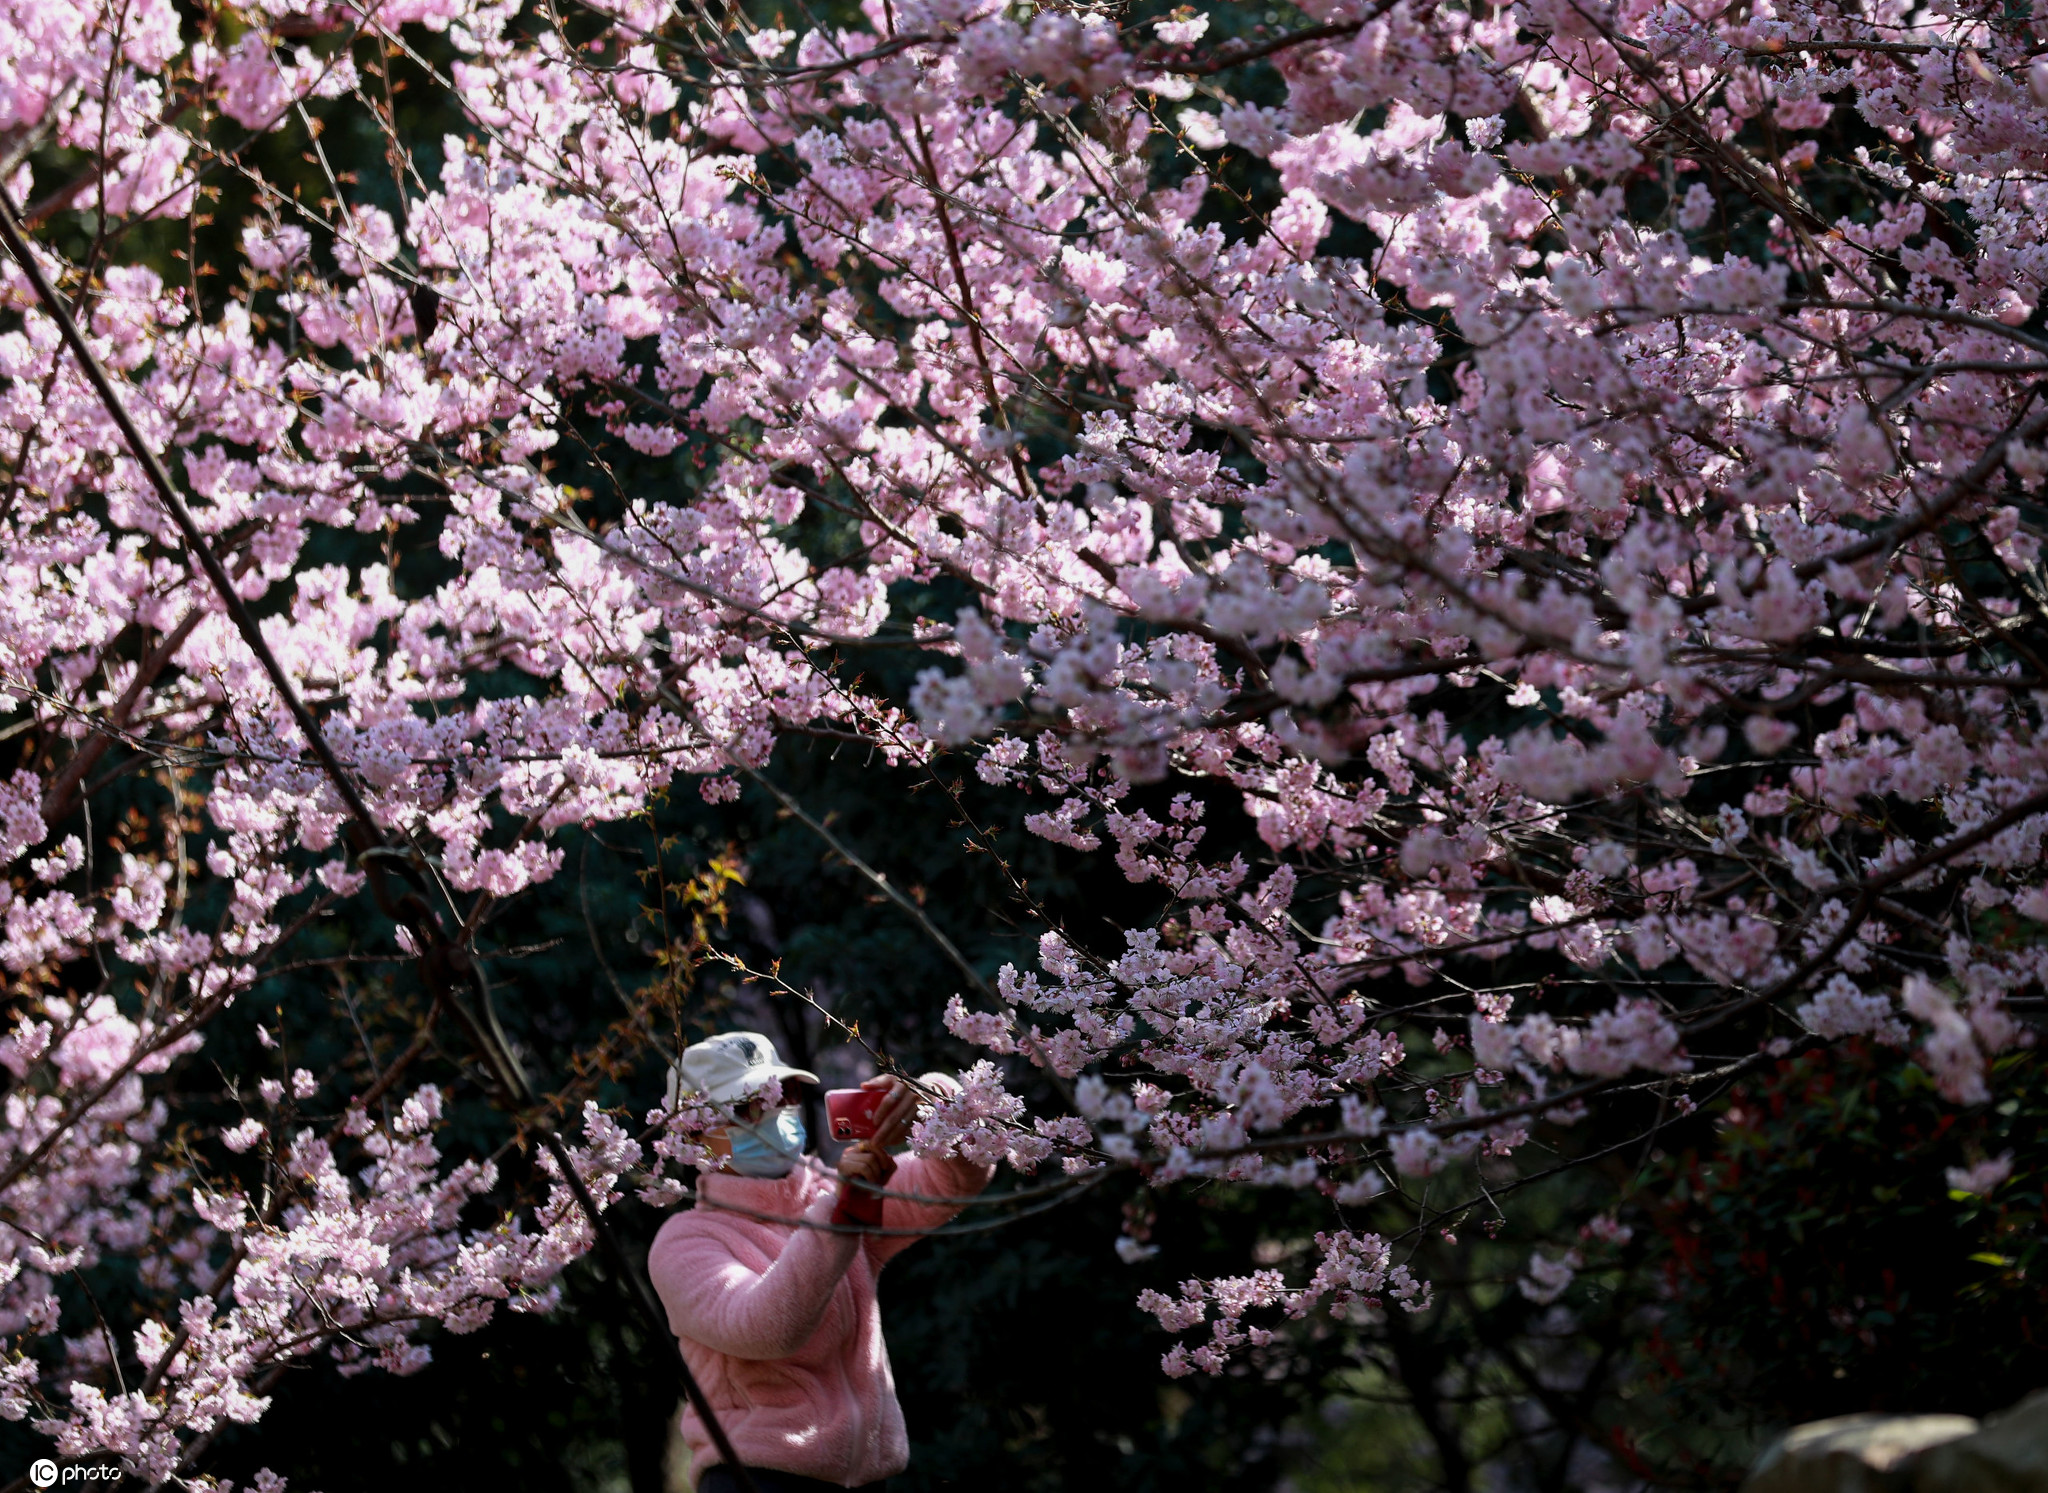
[(850, 1113)]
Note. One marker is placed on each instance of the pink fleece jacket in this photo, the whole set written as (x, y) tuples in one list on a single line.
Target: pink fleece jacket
[(779, 1322)]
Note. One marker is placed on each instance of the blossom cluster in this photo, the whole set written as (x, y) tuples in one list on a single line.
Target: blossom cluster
[(1562, 542)]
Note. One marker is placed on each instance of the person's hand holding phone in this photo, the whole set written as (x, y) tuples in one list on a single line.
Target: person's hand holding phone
[(879, 1111), (894, 1115), (859, 1163), (866, 1166)]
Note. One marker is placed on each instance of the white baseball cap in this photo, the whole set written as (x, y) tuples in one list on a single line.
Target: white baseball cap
[(729, 1066)]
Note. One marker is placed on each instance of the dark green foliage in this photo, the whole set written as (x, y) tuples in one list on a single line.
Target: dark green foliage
[(1818, 1263), (1022, 1363), (578, 1400)]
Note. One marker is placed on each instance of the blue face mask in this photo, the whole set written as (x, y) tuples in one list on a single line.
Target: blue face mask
[(771, 1146)]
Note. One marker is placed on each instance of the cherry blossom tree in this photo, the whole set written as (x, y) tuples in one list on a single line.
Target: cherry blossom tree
[(1563, 473)]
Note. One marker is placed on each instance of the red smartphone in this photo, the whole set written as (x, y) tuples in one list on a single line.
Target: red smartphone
[(850, 1113)]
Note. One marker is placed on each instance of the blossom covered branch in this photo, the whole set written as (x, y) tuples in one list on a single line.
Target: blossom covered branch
[(1566, 476)]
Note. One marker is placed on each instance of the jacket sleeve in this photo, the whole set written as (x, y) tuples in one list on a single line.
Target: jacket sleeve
[(716, 1299), (927, 1177)]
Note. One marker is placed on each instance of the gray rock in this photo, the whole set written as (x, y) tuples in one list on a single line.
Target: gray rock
[(1911, 1454), (2010, 1455), (1854, 1454)]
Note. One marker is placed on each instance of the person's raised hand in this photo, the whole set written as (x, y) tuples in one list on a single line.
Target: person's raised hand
[(864, 1162), (895, 1113), (864, 1169)]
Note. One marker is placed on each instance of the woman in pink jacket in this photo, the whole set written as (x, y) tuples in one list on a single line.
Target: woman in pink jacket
[(770, 1280)]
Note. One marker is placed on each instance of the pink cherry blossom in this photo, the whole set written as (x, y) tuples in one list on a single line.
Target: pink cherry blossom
[(1622, 573)]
